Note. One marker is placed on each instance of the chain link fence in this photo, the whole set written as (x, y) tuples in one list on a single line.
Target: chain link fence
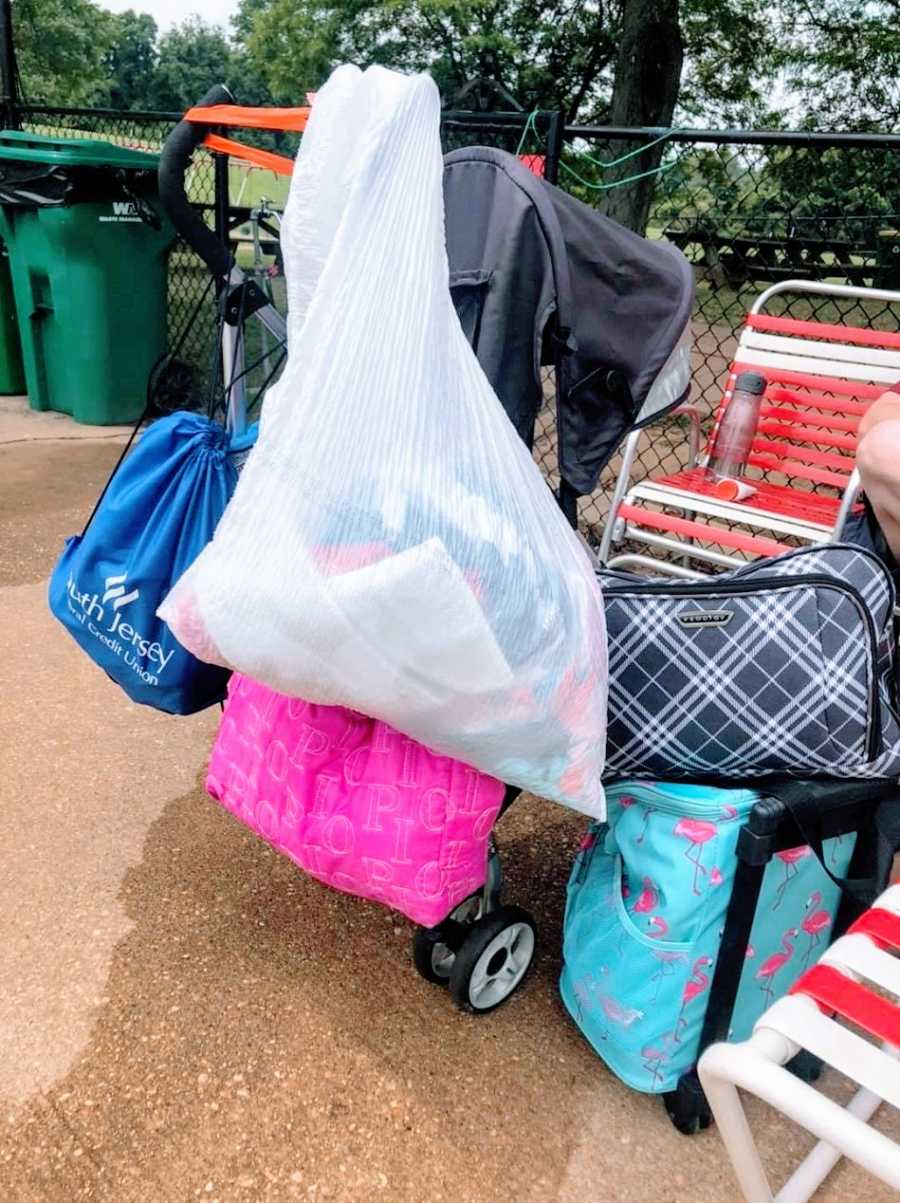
[(747, 209), (255, 201), (191, 304)]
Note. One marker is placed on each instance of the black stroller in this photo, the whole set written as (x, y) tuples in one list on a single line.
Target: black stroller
[(540, 281)]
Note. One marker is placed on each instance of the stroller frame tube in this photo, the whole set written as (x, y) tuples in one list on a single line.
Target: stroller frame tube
[(243, 297)]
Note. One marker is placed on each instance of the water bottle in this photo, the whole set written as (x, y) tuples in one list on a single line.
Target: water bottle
[(737, 428)]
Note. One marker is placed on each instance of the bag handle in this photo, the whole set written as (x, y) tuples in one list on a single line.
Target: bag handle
[(145, 414), (802, 799), (147, 411)]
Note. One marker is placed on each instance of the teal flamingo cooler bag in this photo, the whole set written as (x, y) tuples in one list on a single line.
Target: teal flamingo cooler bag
[(648, 907)]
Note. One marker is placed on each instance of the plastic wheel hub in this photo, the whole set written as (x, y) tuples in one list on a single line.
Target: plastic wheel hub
[(501, 966)]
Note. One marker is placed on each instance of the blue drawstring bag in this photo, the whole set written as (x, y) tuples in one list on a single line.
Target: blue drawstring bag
[(158, 511)]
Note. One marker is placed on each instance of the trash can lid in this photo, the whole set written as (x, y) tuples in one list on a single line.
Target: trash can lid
[(72, 152)]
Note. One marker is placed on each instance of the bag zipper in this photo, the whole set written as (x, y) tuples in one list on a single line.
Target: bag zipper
[(732, 586), (657, 799)]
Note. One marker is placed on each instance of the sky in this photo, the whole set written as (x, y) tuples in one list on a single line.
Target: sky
[(173, 12)]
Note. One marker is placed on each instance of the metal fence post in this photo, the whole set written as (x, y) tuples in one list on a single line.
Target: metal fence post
[(9, 76), (556, 133)]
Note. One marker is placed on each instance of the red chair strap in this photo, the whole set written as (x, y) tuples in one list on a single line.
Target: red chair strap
[(702, 530), (817, 400), (806, 455), (844, 334), (881, 926), (841, 995), (831, 384), (799, 433), (249, 118), (827, 422), (249, 154), (774, 463)]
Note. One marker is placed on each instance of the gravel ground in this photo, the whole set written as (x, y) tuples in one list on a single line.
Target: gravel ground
[(184, 1015)]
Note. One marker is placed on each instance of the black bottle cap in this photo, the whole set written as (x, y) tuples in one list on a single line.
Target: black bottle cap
[(751, 382)]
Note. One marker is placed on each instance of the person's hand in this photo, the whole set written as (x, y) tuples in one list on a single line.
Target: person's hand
[(885, 409), (878, 460)]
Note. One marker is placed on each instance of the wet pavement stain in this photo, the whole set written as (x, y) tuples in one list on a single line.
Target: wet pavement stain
[(259, 1026), (190, 1017)]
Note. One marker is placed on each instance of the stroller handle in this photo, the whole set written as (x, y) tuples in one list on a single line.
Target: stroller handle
[(174, 160)]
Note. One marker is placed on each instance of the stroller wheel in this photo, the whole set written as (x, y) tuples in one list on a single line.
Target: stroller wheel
[(806, 1067), (434, 948), (687, 1107), (432, 955), (493, 959)]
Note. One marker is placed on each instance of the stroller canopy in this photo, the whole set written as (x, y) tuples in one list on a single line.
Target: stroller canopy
[(540, 278)]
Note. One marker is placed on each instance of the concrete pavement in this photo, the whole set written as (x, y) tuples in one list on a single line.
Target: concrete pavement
[(184, 1015)]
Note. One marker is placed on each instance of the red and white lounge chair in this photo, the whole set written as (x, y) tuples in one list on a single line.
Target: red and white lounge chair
[(821, 379)]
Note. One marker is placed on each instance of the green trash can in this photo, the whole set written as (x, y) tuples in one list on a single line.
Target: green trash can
[(88, 245), (12, 373)]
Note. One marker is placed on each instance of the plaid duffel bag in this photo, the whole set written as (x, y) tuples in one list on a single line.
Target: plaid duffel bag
[(785, 665)]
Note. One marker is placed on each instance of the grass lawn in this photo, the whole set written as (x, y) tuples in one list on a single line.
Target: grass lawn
[(248, 186)]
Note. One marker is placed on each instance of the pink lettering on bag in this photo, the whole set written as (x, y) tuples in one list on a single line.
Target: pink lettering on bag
[(353, 802)]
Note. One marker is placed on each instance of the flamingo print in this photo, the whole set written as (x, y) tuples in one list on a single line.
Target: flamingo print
[(585, 989), (648, 898), (582, 998), (654, 1057), (658, 927), (814, 924), (777, 961), (697, 832), (789, 858), (617, 1013), (648, 811), (696, 984), (629, 800), (667, 963)]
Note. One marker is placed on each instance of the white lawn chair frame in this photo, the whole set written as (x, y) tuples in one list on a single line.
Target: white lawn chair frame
[(870, 369), (757, 1066)]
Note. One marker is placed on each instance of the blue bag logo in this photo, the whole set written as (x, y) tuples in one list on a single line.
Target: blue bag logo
[(115, 587), (146, 657)]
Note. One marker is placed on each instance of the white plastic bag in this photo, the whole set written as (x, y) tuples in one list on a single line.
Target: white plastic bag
[(391, 546)]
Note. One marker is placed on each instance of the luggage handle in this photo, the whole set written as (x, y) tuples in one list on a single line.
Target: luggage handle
[(799, 799), (803, 801)]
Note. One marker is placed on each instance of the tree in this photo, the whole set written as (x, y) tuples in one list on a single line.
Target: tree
[(842, 61), (605, 61), (131, 61), (645, 91), (190, 58), (547, 53), (825, 63), (732, 61), (61, 47), (554, 54)]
